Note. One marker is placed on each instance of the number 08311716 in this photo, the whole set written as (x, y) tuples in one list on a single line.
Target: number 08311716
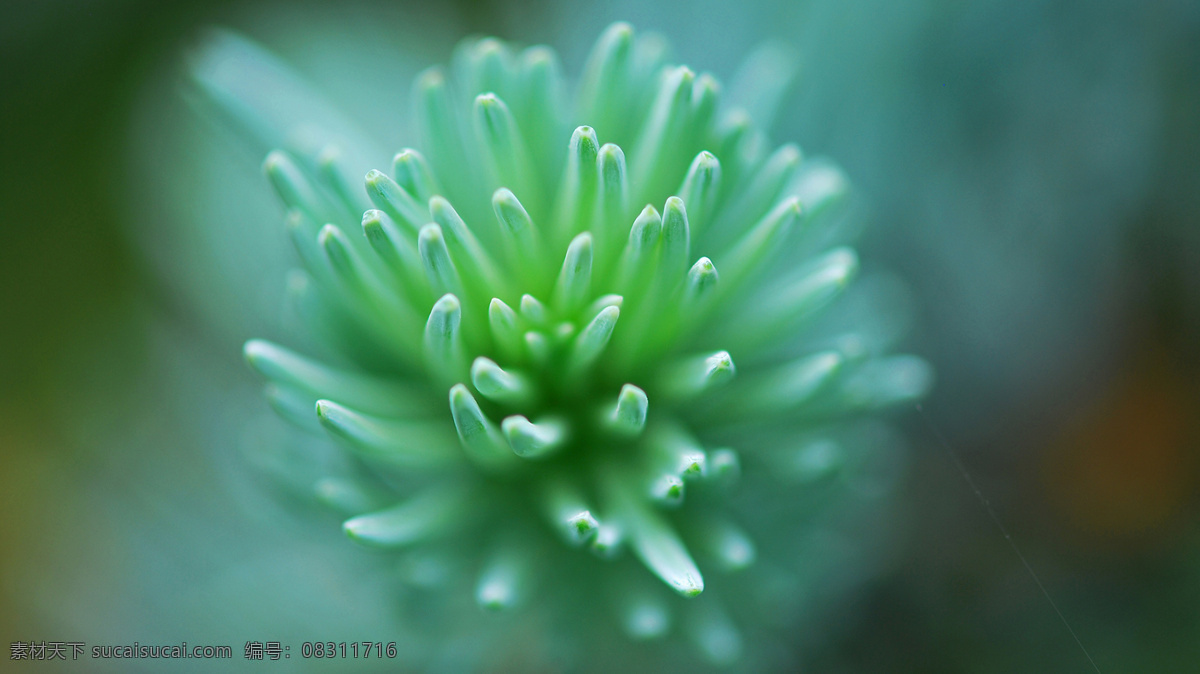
[(348, 649)]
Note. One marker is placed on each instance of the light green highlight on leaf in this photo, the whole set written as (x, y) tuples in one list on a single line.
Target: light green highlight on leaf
[(413, 174), (656, 543), (288, 368), (393, 200), (575, 279), (479, 436), (697, 375), (503, 582), (534, 440), (628, 416), (500, 385), (410, 443), (591, 342), (435, 512), (567, 511), (444, 354), (503, 149)]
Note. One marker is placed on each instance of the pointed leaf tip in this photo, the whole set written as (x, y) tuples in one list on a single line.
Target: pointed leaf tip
[(594, 338), (575, 279), (583, 525), (478, 435), (529, 440), (533, 310), (629, 416), (498, 384), (431, 513), (667, 490)]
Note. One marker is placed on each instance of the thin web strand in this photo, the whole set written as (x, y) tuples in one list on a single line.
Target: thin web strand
[(987, 506)]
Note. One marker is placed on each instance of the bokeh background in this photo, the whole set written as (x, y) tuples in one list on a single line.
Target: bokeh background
[(1031, 170)]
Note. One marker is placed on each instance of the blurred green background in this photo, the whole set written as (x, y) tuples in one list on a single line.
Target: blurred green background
[(1032, 172)]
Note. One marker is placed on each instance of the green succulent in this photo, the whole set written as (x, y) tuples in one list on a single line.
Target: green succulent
[(573, 344)]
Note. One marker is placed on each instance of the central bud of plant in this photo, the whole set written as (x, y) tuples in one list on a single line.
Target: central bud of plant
[(530, 339)]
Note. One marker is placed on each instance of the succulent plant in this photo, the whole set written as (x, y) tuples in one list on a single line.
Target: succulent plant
[(578, 342)]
